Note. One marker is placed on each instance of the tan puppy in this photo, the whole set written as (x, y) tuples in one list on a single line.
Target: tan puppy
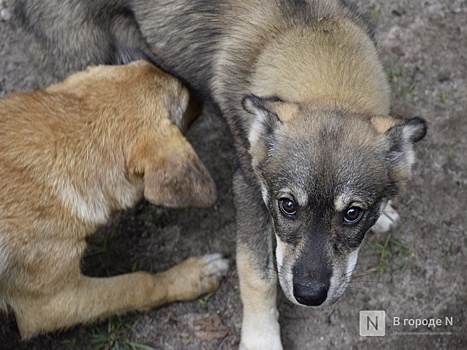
[(69, 157)]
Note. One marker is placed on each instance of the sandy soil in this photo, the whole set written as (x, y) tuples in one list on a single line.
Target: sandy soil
[(415, 272)]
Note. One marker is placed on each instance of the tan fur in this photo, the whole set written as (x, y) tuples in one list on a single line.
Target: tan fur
[(69, 157), (322, 50), (383, 123)]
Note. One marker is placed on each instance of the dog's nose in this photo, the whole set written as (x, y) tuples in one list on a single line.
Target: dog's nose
[(313, 295)]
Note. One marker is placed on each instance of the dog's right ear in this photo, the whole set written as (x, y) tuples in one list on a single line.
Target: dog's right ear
[(263, 127)]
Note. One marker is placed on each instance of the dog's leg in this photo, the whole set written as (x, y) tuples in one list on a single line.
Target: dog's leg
[(94, 298), (256, 270), (389, 218)]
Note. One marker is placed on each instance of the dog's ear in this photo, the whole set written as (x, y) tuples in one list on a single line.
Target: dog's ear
[(176, 100), (180, 181), (173, 174), (401, 135), (192, 112), (263, 127), (182, 105)]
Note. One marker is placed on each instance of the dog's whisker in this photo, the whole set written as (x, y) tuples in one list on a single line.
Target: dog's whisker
[(359, 290), (361, 272), (367, 281), (386, 214)]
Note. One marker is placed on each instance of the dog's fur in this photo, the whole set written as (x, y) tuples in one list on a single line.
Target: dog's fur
[(303, 90), (69, 157)]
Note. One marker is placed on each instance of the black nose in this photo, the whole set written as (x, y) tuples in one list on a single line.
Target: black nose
[(313, 295)]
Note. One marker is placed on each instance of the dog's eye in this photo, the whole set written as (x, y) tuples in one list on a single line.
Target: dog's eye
[(288, 206), (353, 215)]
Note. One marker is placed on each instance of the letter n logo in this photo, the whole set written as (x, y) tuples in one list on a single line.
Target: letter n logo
[(372, 323)]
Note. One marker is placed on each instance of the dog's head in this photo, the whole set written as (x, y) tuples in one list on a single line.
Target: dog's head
[(173, 174), (147, 110), (326, 175)]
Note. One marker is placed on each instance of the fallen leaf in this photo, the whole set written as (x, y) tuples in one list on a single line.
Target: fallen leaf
[(210, 328)]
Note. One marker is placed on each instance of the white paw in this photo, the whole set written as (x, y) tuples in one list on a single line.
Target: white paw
[(261, 342), (215, 264), (261, 332), (388, 219)]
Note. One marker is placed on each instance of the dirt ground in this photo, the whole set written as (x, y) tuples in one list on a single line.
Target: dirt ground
[(417, 272)]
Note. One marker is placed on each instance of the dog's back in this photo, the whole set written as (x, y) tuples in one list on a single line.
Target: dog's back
[(65, 36)]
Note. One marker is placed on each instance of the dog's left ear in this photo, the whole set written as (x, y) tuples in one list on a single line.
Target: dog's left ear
[(401, 135), (180, 180), (173, 174)]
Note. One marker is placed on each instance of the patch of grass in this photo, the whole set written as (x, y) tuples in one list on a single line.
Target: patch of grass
[(408, 262), (394, 73), (443, 96), (452, 155), (391, 249), (446, 257), (203, 300), (102, 251), (70, 343), (397, 78), (374, 16), (115, 336)]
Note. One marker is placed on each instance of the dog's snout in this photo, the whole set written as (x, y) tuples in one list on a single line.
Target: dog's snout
[(312, 295)]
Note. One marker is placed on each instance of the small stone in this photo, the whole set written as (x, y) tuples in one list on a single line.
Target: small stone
[(5, 15)]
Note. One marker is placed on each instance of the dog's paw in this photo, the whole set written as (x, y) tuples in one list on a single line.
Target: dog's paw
[(215, 264), (213, 268), (198, 275), (260, 342), (389, 219)]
